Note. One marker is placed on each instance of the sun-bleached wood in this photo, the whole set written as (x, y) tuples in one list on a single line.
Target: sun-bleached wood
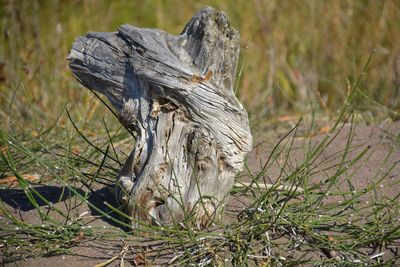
[(176, 93)]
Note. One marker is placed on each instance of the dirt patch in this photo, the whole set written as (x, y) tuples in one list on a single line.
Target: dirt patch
[(380, 145)]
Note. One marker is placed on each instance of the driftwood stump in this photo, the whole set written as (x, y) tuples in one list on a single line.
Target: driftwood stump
[(176, 93)]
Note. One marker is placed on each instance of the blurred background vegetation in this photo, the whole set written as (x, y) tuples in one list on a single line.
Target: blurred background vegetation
[(293, 52)]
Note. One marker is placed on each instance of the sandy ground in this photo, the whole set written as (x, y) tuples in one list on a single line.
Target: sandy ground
[(379, 141)]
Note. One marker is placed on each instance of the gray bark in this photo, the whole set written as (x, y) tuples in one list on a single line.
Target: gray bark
[(176, 93)]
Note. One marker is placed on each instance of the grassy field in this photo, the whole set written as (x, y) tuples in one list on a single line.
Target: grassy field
[(334, 63), (291, 51)]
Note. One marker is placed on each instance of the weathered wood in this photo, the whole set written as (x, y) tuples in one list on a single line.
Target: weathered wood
[(176, 93)]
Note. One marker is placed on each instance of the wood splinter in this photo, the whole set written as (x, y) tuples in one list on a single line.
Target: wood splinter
[(176, 93)]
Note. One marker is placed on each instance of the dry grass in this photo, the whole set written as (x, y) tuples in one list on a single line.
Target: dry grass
[(292, 51)]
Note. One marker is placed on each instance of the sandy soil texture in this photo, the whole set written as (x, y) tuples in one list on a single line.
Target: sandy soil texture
[(379, 140)]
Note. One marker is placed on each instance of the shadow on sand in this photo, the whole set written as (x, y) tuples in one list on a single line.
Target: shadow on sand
[(17, 199)]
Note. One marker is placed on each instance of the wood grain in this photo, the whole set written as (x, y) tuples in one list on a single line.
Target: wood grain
[(176, 93)]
